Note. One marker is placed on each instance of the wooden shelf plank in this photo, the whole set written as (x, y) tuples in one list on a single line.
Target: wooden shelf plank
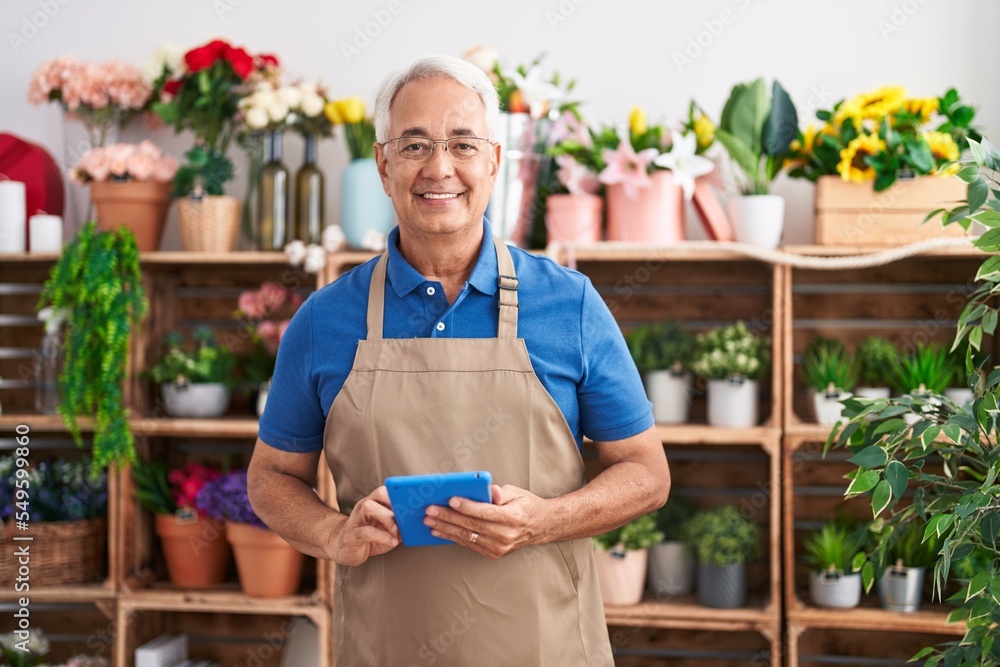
[(685, 612), (932, 619), (618, 251), (223, 427), (68, 593), (221, 601), (236, 258), (36, 422), (702, 434), (841, 251)]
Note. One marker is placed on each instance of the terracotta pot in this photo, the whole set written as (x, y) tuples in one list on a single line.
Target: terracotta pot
[(269, 567), (196, 551), (211, 224), (656, 215), (141, 206), (574, 218)]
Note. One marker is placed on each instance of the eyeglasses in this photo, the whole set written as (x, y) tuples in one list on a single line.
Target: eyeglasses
[(460, 148)]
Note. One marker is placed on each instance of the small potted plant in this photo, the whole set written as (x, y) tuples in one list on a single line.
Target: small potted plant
[(663, 352), (621, 556), (194, 383), (876, 364), (901, 585), (828, 371), (268, 566), (723, 543), (830, 552), (671, 563), (194, 547), (923, 375), (732, 359)]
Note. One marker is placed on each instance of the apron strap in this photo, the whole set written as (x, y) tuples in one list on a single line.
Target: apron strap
[(506, 282)]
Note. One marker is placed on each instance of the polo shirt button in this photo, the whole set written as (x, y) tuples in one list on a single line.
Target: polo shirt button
[(440, 326), (431, 291)]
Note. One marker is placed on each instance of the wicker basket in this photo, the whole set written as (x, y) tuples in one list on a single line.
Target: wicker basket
[(61, 552), (211, 224)]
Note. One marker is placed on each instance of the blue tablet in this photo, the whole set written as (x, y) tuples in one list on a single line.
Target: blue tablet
[(410, 495)]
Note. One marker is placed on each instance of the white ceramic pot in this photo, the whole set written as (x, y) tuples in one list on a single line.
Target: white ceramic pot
[(759, 220), (670, 395), (872, 392), (621, 575), (835, 590), (912, 418), (671, 570), (960, 395), (828, 409), (209, 399), (900, 589), (733, 404)]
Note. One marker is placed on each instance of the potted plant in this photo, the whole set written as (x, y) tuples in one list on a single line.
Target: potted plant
[(732, 359), (662, 353), (97, 285), (621, 556), (900, 587), (194, 547), (830, 552), (194, 382), (829, 373), (67, 512), (757, 131), (267, 565), (723, 543), (130, 185), (876, 365), (575, 211), (924, 374), (671, 563)]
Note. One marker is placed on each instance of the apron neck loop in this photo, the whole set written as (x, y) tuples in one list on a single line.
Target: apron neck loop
[(506, 282)]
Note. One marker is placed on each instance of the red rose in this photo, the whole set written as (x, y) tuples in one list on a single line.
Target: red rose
[(241, 61), (267, 60), (172, 87), (203, 56)]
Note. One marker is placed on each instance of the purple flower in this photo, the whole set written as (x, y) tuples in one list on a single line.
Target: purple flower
[(226, 498)]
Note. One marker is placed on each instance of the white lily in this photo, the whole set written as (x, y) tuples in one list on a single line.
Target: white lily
[(684, 163), (535, 92)]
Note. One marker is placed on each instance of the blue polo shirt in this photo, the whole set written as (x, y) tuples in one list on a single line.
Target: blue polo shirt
[(575, 345)]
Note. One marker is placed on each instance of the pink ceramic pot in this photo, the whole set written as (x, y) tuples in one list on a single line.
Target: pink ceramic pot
[(656, 215), (574, 219)]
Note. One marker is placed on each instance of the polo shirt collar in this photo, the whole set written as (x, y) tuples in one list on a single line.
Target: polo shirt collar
[(404, 278)]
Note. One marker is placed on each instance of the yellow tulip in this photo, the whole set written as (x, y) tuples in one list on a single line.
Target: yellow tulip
[(351, 109), (330, 109), (704, 130), (637, 120)]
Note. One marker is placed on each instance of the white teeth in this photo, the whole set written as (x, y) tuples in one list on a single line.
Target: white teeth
[(431, 195)]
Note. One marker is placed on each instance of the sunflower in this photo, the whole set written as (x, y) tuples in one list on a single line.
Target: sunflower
[(704, 130), (923, 108), (942, 144), (852, 165), (805, 147), (872, 106)]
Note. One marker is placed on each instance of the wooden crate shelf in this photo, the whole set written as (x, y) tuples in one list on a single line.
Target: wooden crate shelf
[(66, 593), (685, 612), (930, 619)]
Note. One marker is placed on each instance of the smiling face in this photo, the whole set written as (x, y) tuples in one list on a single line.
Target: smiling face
[(439, 196)]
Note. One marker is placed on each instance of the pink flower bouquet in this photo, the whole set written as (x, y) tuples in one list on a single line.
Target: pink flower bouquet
[(264, 315), (124, 162)]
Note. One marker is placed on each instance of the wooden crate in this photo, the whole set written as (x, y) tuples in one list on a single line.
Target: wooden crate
[(653, 647), (854, 214), (21, 279), (872, 644), (72, 628)]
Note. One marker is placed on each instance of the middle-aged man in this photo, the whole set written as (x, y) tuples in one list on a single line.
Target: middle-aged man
[(453, 352)]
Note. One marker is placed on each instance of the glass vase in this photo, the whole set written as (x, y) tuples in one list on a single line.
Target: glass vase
[(309, 187), (272, 199), (48, 365)]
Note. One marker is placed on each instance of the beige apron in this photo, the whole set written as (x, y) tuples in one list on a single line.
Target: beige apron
[(426, 405)]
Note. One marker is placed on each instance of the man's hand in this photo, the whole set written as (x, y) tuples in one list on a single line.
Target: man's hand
[(511, 522), (370, 530)]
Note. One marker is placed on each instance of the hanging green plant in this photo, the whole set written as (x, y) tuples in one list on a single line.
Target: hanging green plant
[(98, 285)]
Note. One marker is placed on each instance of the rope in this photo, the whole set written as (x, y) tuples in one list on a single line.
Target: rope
[(798, 261)]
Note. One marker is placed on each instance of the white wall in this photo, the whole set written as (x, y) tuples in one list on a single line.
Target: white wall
[(622, 52)]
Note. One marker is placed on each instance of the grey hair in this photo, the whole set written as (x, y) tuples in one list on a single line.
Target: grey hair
[(431, 67)]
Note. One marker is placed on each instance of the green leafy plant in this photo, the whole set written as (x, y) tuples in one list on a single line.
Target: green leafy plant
[(97, 281), (639, 533), (204, 362), (834, 546), (927, 369), (721, 536), (876, 362), (672, 518), (731, 351), (910, 548), (657, 347), (827, 367), (757, 131), (151, 487)]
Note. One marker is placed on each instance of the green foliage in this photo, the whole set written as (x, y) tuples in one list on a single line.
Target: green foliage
[(928, 367), (639, 533), (826, 364), (731, 351), (876, 362), (834, 546), (657, 347), (151, 487), (205, 361), (909, 546), (97, 279), (672, 518), (757, 132), (721, 536)]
